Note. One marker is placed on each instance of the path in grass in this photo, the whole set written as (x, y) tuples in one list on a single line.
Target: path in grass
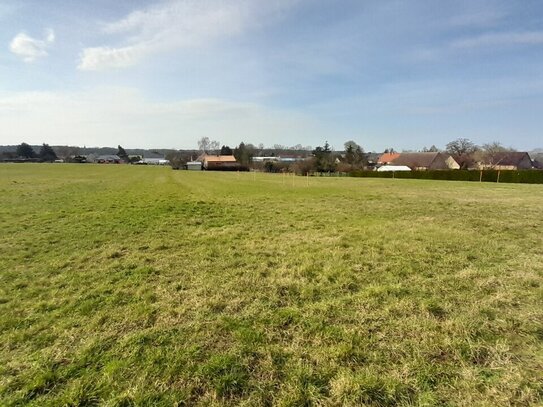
[(141, 285)]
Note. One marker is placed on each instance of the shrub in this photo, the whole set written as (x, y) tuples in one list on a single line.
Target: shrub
[(507, 176)]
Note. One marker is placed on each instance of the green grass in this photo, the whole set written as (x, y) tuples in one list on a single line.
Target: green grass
[(124, 285)]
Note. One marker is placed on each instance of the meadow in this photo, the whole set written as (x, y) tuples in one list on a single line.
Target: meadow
[(125, 285)]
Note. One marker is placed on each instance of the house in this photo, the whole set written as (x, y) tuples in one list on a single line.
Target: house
[(387, 158), (194, 166), (219, 162), (507, 160), (466, 161), (393, 168), (79, 159), (427, 161), (155, 161), (290, 158), (264, 159), (108, 159), (281, 159), (372, 159)]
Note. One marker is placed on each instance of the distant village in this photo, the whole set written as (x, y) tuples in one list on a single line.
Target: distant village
[(211, 156)]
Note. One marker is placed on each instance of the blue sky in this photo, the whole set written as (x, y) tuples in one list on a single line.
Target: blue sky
[(161, 74)]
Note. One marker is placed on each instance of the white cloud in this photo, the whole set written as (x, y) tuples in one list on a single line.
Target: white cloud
[(178, 24), (501, 39), (102, 58), (111, 116), (29, 49)]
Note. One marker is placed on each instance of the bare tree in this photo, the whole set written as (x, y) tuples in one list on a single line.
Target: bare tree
[(178, 159), (204, 144), (67, 151), (461, 146), (495, 147), (489, 155), (215, 147)]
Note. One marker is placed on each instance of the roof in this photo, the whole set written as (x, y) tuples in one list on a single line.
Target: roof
[(415, 159), (108, 157), (385, 168), (387, 157), (218, 158), (265, 159), (509, 157)]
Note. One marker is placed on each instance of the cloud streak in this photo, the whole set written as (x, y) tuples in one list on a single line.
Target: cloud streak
[(500, 39), (30, 49), (177, 24)]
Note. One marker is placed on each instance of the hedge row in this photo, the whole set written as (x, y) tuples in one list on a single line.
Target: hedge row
[(510, 176)]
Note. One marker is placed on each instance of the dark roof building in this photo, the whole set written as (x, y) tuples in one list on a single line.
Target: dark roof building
[(426, 161), (508, 160), (108, 159), (466, 161)]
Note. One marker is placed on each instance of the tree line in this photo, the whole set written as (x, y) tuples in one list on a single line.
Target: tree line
[(319, 159), (25, 151)]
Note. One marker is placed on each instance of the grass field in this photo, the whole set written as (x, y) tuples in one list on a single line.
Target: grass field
[(123, 285)]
